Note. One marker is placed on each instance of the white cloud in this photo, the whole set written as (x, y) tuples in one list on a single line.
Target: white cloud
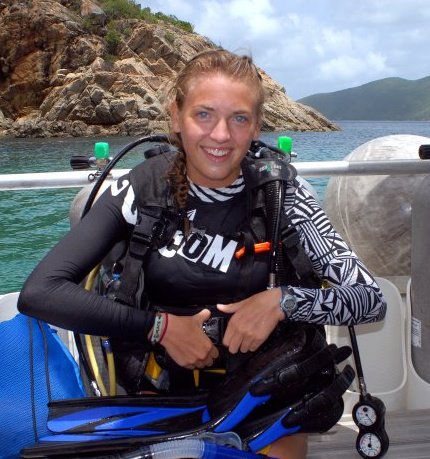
[(350, 68), (320, 45)]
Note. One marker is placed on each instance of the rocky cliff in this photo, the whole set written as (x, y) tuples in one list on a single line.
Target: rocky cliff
[(64, 73)]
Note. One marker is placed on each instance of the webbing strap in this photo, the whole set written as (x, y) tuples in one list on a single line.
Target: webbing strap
[(140, 241)]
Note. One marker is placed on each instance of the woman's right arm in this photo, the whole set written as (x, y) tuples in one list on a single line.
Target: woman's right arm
[(53, 292)]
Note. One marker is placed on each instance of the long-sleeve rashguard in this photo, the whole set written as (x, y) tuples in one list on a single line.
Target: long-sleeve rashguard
[(199, 270)]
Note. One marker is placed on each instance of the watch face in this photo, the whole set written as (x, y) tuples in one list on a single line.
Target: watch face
[(288, 302), (365, 415), (369, 445)]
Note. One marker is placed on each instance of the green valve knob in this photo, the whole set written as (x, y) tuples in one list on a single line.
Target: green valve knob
[(101, 150), (285, 143)]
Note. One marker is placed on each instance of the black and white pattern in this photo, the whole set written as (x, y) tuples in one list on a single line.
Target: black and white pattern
[(217, 194), (353, 296)]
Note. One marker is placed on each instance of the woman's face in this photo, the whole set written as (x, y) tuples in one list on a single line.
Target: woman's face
[(217, 123)]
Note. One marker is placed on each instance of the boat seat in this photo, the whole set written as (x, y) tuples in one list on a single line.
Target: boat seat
[(382, 348)]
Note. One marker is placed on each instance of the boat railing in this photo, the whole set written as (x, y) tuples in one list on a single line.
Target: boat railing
[(72, 179)]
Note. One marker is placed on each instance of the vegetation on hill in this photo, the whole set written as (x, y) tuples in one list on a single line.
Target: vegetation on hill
[(118, 10), (121, 9), (390, 99)]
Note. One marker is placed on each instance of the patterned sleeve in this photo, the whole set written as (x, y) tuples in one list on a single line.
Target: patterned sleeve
[(353, 296)]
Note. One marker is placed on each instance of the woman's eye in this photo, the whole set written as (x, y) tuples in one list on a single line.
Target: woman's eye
[(203, 115), (241, 118)]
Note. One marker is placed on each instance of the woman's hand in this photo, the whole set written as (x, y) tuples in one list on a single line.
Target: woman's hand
[(252, 320), (186, 342)]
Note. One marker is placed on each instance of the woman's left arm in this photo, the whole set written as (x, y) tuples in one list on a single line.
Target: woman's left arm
[(353, 296)]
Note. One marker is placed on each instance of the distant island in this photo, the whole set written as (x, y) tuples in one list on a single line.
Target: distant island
[(389, 99)]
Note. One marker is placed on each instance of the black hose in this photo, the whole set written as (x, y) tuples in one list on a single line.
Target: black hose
[(357, 361), (274, 197), (112, 164)]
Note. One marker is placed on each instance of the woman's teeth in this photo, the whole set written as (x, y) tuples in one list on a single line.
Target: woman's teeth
[(216, 151)]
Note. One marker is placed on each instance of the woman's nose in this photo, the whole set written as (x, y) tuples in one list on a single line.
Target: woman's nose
[(221, 131)]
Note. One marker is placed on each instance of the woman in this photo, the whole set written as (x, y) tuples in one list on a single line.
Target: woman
[(216, 109)]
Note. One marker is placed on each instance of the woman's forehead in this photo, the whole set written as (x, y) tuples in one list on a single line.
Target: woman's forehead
[(216, 86)]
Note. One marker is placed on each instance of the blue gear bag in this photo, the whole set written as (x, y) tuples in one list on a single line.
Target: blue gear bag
[(35, 368)]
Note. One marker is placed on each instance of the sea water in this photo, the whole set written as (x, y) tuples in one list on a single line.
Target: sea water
[(32, 221)]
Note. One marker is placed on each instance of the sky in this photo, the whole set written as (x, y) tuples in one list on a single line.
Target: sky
[(316, 46)]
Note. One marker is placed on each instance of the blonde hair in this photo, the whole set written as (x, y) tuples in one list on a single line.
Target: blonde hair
[(208, 62)]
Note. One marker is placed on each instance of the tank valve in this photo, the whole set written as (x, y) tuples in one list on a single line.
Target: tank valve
[(99, 161)]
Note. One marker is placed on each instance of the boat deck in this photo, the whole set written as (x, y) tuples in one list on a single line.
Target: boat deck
[(408, 431)]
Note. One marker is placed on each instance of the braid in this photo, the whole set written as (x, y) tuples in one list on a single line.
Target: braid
[(177, 177)]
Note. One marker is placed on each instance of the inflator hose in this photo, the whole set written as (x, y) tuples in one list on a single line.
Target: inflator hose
[(274, 200)]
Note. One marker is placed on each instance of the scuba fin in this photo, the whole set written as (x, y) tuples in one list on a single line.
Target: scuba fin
[(313, 414), (270, 394)]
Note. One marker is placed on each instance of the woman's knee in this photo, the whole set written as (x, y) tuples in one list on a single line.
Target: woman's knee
[(291, 447)]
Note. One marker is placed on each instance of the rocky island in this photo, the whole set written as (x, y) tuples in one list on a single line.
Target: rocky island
[(72, 68)]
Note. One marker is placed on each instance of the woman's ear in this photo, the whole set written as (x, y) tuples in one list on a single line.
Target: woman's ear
[(174, 116)]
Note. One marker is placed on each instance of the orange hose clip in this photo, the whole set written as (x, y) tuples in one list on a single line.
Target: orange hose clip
[(258, 248)]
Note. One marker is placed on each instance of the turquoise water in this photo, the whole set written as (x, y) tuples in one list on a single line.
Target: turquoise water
[(32, 221)]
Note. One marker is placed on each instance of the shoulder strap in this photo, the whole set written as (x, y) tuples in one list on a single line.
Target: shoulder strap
[(157, 221)]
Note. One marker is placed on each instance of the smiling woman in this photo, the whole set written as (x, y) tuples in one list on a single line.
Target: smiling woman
[(185, 214)]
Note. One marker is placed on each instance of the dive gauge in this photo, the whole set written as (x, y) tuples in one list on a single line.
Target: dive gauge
[(372, 444), (366, 415), (369, 412)]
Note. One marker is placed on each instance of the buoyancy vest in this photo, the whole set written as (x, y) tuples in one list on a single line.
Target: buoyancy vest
[(310, 379), (158, 223)]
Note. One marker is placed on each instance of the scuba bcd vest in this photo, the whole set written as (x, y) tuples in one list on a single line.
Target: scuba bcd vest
[(268, 177)]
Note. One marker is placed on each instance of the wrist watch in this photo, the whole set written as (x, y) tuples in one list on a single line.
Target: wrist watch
[(288, 302)]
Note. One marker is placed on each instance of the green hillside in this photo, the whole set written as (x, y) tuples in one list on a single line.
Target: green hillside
[(390, 99)]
